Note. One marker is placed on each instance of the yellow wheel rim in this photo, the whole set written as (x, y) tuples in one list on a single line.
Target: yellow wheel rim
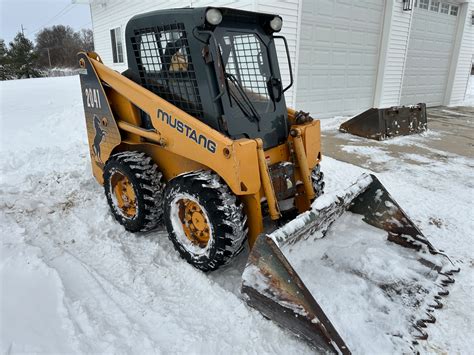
[(125, 198), (194, 222)]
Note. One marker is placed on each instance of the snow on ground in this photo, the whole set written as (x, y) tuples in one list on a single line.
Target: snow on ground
[(378, 155), (72, 280)]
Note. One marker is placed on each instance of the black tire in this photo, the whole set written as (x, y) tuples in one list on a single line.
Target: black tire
[(147, 185), (317, 178), (221, 210)]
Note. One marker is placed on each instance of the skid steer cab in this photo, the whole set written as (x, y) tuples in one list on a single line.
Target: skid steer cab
[(197, 134)]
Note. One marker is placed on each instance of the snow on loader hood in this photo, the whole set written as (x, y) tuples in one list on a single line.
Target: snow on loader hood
[(356, 290)]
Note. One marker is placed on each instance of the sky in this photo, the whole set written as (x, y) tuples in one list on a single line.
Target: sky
[(37, 14)]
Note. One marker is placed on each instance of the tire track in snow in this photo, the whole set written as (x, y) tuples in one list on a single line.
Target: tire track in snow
[(109, 298), (31, 293)]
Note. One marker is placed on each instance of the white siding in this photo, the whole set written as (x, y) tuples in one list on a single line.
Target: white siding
[(393, 67), (108, 14), (394, 61), (428, 60), (338, 56), (464, 59)]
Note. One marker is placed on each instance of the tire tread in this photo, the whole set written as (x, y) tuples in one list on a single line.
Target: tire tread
[(150, 184)]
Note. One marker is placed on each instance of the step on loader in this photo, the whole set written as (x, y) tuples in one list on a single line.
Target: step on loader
[(196, 135)]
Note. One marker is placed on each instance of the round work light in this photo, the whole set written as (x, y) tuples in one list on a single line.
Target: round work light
[(213, 16), (276, 23)]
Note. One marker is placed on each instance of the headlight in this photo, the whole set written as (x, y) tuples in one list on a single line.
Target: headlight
[(276, 23), (213, 16)]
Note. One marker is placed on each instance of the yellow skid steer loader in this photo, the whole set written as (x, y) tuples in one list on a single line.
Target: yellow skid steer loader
[(196, 134)]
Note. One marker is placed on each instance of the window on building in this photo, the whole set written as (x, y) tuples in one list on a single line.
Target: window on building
[(454, 10), (424, 4), (117, 44), (444, 8), (434, 6)]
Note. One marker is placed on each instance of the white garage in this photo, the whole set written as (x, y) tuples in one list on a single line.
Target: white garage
[(338, 55), (430, 49), (346, 55)]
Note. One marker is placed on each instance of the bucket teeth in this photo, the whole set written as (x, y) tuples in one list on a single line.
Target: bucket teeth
[(443, 292), (421, 323), (447, 278), (423, 335), (429, 318), (437, 304)]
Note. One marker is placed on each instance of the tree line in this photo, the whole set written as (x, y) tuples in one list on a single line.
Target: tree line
[(54, 47)]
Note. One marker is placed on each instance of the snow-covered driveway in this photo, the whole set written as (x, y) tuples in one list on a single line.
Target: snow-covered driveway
[(72, 280)]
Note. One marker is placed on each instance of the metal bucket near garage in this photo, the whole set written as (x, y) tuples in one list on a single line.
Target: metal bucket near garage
[(382, 123)]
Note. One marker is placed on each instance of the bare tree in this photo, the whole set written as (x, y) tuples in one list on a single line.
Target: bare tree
[(87, 39), (57, 46)]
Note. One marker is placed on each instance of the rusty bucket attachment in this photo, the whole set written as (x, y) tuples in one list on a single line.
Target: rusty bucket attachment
[(273, 287), (382, 123), (272, 284)]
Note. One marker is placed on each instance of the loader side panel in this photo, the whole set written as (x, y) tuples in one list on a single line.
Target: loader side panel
[(122, 108), (184, 135), (102, 130)]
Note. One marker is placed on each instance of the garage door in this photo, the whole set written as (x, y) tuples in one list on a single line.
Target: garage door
[(338, 57), (432, 37)]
